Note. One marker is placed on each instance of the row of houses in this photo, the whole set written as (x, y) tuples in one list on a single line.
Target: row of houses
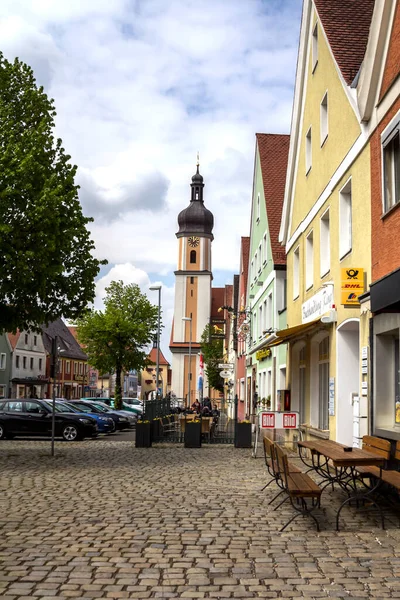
[(313, 317), (25, 368)]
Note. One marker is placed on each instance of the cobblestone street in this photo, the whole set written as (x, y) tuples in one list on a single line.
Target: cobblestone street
[(106, 520)]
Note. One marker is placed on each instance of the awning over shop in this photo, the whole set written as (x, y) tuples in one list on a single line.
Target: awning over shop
[(385, 293), (290, 333)]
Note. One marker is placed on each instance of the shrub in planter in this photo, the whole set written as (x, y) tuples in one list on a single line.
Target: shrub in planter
[(143, 434), (193, 434), (243, 434)]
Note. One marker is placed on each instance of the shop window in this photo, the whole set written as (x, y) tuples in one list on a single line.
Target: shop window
[(193, 255), (391, 164), (323, 380), (325, 244), (345, 219)]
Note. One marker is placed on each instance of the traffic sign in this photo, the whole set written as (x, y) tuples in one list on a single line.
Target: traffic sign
[(226, 374), (225, 366)]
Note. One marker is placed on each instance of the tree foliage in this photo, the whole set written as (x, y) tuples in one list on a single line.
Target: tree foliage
[(115, 339), (213, 351), (46, 267)]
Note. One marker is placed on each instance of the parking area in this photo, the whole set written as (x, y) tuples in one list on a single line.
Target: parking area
[(103, 519)]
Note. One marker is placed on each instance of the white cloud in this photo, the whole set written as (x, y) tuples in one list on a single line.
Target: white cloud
[(139, 88)]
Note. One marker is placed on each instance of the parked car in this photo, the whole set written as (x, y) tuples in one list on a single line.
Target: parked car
[(136, 409), (34, 417), (132, 417), (105, 424), (121, 421)]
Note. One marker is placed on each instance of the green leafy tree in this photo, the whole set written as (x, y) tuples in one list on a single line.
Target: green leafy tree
[(115, 339), (46, 269), (213, 351)]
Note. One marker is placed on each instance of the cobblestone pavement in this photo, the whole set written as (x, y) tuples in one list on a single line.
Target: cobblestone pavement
[(107, 520)]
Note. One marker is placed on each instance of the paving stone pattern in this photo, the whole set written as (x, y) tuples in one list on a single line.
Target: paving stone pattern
[(107, 520)]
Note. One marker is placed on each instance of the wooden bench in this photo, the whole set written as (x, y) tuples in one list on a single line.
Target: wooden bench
[(383, 447), (298, 486), (272, 467)]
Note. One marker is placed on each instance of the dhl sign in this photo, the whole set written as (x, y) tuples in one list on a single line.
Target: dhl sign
[(352, 286)]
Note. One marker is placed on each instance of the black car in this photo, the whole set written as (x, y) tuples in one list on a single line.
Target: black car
[(34, 417), (121, 421)]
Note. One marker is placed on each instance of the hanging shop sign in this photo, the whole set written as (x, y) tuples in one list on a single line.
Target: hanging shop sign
[(264, 353), (317, 305), (352, 286)]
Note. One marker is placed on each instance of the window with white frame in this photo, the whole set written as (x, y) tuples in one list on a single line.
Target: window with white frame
[(391, 164), (308, 150), (265, 248), (258, 207), (325, 244), (314, 48), (24, 362), (345, 219), (264, 385), (259, 258), (310, 260), (255, 265), (265, 324), (17, 361), (270, 318), (296, 273), (3, 359), (252, 270), (269, 384), (324, 118), (254, 327), (260, 320)]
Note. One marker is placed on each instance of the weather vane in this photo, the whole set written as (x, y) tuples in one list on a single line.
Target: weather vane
[(198, 159)]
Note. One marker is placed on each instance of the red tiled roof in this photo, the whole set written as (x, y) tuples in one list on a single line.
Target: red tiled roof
[(346, 24), (273, 150), (153, 357), (13, 338)]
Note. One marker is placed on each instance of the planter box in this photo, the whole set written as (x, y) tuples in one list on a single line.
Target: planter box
[(143, 435), (243, 435), (192, 435), (156, 430)]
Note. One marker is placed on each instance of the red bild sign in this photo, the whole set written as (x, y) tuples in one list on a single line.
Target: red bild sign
[(268, 420), (289, 420)]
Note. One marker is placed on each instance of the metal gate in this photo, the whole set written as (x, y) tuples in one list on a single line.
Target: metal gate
[(168, 420)]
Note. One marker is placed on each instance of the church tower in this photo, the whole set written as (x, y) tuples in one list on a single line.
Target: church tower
[(192, 290)]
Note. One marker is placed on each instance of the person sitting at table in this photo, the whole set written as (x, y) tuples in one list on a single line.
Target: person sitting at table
[(207, 403), (215, 413), (196, 406), (205, 411)]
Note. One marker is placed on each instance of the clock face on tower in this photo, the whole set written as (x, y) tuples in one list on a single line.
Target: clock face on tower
[(193, 241)]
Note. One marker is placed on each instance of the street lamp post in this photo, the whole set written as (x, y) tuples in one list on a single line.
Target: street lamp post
[(190, 356), (158, 288)]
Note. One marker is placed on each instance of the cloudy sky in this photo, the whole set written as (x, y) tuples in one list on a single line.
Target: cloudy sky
[(140, 86)]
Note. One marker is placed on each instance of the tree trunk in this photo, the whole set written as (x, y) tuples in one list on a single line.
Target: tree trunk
[(118, 391)]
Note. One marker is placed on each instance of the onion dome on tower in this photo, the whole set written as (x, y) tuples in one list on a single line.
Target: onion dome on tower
[(196, 218)]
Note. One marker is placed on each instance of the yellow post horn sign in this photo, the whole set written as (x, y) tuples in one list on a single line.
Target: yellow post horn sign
[(352, 286)]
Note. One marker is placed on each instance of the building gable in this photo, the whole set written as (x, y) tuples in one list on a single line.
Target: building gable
[(392, 65), (325, 122)]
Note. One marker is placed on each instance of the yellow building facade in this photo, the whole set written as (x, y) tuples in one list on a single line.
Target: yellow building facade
[(326, 229)]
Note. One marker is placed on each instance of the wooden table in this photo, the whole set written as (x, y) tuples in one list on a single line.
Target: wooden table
[(335, 465)]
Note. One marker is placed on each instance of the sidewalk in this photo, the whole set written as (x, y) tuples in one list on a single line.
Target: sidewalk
[(106, 520)]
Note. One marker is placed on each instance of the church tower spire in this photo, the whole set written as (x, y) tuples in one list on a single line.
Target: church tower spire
[(192, 289)]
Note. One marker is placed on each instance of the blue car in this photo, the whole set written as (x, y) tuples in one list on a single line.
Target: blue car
[(104, 424), (121, 421)]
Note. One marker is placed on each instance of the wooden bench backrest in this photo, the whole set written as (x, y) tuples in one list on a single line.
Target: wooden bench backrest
[(397, 451), (267, 447), (281, 460), (376, 445)]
